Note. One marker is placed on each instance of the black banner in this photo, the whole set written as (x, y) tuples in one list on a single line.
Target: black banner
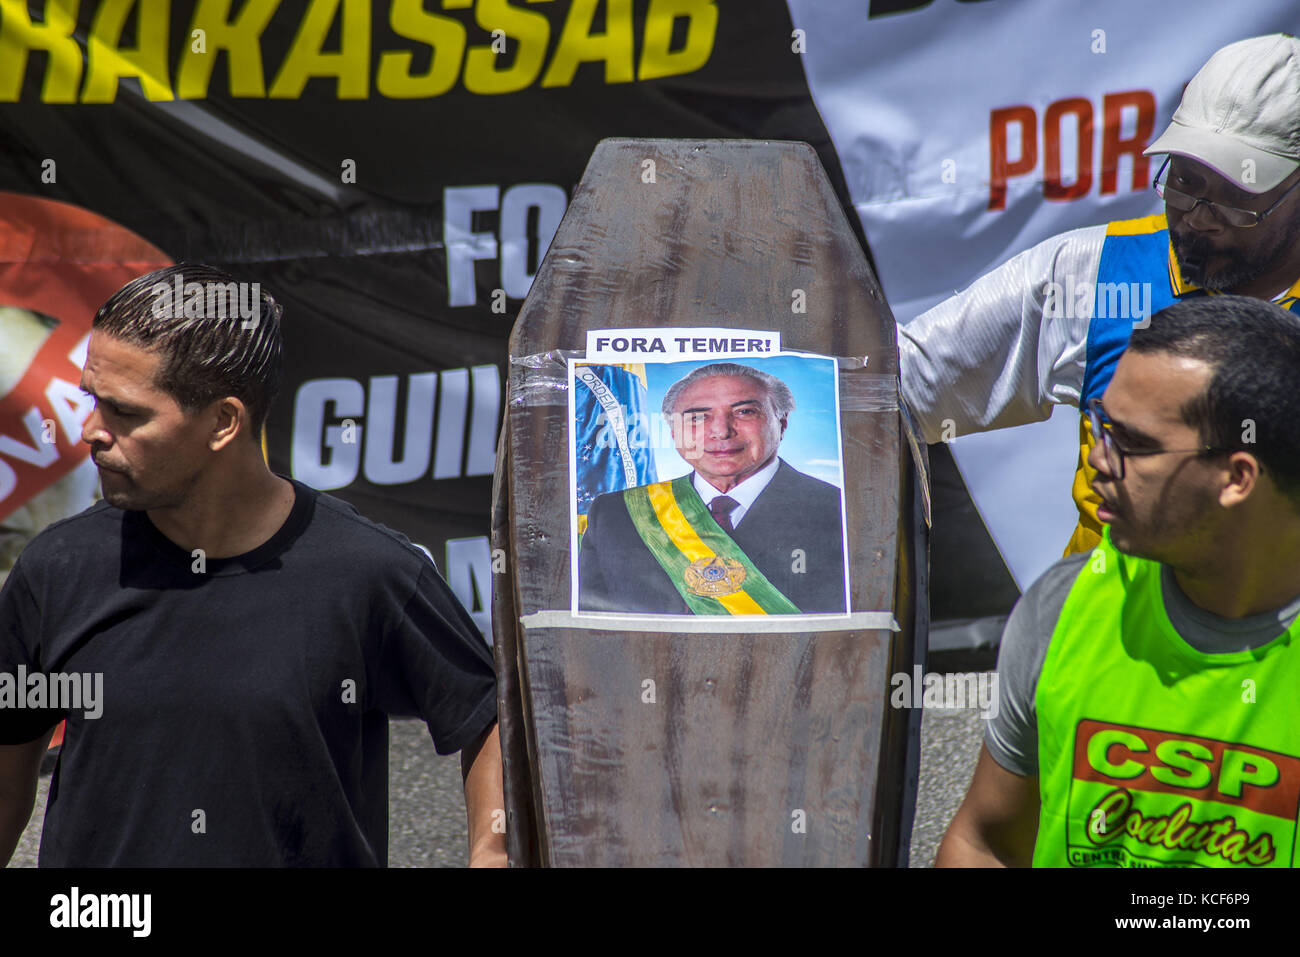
[(392, 171)]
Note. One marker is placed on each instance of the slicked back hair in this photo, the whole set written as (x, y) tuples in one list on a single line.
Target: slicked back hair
[(208, 354), (779, 397), (1253, 348)]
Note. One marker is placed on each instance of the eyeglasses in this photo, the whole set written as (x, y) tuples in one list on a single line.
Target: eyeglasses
[(1185, 202), (1115, 453)]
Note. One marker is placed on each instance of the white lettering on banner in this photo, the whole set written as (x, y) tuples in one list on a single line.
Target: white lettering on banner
[(326, 461), (481, 457), (451, 416), (511, 243), (40, 454), (550, 203), (381, 467), (464, 246), (329, 450), (469, 576), (71, 407)]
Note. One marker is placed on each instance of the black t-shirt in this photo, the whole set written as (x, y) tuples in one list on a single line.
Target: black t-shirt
[(244, 707)]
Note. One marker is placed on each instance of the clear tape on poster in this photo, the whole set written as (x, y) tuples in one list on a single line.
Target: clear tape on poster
[(543, 378), (546, 382), (862, 391), (719, 624)]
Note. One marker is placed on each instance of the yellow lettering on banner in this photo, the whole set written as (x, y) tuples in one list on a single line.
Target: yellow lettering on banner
[(239, 38), (19, 35), (89, 70), (444, 35), (107, 61), (532, 31), (701, 29), (579, 45), (306, 59)]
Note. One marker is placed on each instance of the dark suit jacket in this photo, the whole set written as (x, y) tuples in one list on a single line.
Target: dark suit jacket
[(616, 572)]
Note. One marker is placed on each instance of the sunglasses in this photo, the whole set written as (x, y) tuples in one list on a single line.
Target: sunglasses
[(1185, 202)]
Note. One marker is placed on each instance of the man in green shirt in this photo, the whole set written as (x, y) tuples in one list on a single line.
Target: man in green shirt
[(1147, 708)]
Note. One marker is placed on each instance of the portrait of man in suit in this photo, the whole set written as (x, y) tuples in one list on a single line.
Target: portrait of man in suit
[(743, 533)]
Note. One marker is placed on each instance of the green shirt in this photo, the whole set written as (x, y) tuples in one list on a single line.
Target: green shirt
[(1152, 752)]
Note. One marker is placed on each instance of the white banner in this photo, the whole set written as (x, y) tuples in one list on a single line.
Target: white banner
[(970, 130)]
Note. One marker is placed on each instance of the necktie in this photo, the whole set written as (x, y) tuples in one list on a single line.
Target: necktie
[(721, 509)]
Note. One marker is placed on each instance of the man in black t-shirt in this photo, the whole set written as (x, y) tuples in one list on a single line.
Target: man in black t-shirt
[(225, 643)]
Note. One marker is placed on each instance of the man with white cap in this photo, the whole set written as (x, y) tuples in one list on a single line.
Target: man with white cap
[(1050, 325)]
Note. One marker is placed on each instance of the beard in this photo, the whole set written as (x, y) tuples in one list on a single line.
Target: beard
[(1176, 528), (1193, 250)]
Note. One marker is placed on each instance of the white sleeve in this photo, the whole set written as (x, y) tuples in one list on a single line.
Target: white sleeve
[(988, 358)]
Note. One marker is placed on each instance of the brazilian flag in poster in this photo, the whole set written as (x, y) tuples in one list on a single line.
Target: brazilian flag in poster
[(612, 426)]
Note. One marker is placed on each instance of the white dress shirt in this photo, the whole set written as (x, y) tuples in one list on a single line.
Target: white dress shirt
[(989, 358), (744, 493)]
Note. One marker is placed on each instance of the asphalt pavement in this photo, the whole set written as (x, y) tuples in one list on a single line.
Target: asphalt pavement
[(426, 806)]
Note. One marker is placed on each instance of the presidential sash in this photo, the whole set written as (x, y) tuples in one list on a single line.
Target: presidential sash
[(706, 566)]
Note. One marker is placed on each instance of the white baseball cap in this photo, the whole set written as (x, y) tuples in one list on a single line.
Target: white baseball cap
[(1244, 104)]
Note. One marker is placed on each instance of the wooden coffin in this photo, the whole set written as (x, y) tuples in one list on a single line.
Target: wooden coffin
[(772, 748)]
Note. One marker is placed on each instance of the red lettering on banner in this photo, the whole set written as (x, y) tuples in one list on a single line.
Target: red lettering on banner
[(1052, 186), (34, 456), (999, 168), (1113, 145)]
